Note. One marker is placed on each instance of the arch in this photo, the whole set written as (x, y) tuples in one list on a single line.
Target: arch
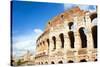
[(62, 16), (70, 24), (52, 62), (43, 42), (41, 62), (70, 61), (49, 23), (83, 38), (54, 41), (94, 35), (95, 60), (72, 39), (62, 40), (92, 16), (60, 62), (46, 62), (83, 60), (48, 42), (40, 43)]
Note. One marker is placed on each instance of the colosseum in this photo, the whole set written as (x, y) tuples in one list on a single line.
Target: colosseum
[(68, 38)]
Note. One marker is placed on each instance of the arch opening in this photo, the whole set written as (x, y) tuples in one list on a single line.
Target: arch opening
[(52, 62), (95, 60), (62, 16), (54, 41), (83, 38), (94, 35), (93, 16), (46, 62), (70, 61), (41, 62), (83, 60), (72, 39), (43, 42), (62, 40), (48, 42), (60, 62), (70, 25)]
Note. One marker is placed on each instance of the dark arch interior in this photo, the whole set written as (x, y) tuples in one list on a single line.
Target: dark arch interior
[(62, 16), (54, 41), (83, 38), (70, 61), (71, 37), (52, 62), (40, 43), (83, 60), (95, 60), (48, 42), (60, 62), (62, 40), (94, 34), (46, 62), (43, 43), (41, 62), (48, 22), (70, 24), (93, 16)]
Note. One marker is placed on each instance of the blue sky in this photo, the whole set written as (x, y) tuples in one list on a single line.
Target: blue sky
[(30, 19), (29, 15)]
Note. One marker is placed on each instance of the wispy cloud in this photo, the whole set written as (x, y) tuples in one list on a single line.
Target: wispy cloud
[(88, 7), (38, 31), (22, 43), (68, 6), (83, 7)]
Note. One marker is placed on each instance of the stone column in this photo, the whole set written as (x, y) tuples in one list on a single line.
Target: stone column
[(66, 37), (77, 42), (89, 40), (89, 36), (89, 45), (46, 47), (77, 45), (42, 48), (66, 40), (51, 46), (58, 43), (66, 46)]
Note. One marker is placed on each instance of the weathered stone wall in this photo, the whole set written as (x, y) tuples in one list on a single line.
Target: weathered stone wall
[(68, 38)]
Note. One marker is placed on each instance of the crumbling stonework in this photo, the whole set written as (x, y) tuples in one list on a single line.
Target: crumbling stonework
[(69, 37)]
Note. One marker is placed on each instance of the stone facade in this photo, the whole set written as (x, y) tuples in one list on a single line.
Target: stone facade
[(69, 37)]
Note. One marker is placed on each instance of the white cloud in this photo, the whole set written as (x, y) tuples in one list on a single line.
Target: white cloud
[(23, 43), (68, 6), (90, 8), (38, 31)]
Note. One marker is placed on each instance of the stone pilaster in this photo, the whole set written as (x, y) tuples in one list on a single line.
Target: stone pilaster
[(77, 42)]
